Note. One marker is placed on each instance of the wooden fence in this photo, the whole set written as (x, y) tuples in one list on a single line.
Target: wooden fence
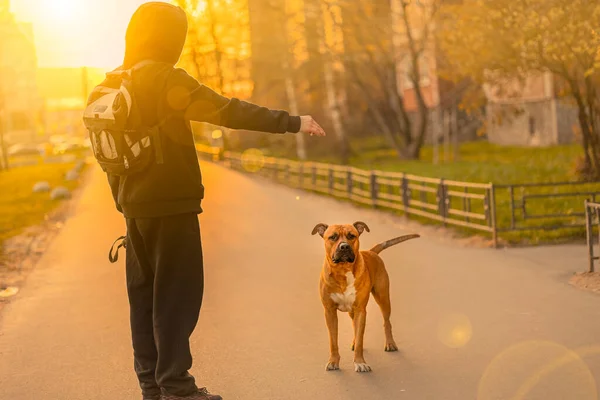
[(470, 205), (522, 207)]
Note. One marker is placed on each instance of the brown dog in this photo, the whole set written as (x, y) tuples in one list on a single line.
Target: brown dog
[(348, 277)]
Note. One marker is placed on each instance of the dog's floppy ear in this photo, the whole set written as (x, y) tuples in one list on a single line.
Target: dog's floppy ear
[(320, 229), (361, 227)]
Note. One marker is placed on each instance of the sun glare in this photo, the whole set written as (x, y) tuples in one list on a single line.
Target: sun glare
[(62, 10)]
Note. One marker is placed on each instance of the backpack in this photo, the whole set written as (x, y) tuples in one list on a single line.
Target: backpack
[(121, 143)]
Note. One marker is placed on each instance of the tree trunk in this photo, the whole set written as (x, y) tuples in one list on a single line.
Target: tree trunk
[(412, 151), (334, 111), (293, 108), (455, 138), (216, 40), (591, 147), (447, 136)]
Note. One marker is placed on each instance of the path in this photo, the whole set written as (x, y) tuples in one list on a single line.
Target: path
[(262, 333)]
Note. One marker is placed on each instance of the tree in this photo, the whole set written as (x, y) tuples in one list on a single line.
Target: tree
[(217, 50), (500, 43), (383, 43)]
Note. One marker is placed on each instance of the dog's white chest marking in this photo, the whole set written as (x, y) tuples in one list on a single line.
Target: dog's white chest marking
[(345, 300)]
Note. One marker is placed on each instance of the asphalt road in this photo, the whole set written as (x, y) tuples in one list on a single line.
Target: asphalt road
[(470, 323)]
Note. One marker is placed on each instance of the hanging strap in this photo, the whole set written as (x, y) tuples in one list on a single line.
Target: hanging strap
[(113, 254)]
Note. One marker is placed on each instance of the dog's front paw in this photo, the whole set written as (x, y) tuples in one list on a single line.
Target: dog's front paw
[(333, 366), (362, 367), (391, 347)]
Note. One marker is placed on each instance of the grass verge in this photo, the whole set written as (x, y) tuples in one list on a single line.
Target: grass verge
[(502, 165), (19, 206)]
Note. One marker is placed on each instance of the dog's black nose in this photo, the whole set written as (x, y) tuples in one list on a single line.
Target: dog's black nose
[(344, 246)]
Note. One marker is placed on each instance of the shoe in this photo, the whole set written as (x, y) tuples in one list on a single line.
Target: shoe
[(201, 394)]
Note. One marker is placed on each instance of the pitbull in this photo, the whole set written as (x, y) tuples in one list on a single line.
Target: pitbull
[(347, 279)]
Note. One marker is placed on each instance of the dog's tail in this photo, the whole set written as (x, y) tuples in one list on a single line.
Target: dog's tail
[(389, 243)]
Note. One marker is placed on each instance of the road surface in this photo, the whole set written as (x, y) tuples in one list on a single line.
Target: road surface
[(470, 323)]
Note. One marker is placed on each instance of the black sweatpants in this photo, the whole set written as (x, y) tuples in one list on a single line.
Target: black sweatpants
[(165, 283)]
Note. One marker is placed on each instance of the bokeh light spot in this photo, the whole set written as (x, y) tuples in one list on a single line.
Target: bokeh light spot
[(253, 160), (178, 98), (455, 330)]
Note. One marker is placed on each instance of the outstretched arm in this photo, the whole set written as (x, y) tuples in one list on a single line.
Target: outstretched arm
[(202, 104)]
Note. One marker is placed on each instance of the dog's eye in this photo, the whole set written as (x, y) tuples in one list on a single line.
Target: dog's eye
[(350, 236), (333, 238)]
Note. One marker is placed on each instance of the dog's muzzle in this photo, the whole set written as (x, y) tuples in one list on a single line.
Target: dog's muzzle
[(343, 254)]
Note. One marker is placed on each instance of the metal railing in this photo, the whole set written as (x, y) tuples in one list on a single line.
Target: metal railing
[(557, 204), (592, 217)]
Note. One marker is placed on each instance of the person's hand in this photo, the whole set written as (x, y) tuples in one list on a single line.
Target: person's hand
[(310, 126)]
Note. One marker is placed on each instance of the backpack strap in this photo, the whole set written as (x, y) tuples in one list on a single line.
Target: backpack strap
[(153, 131), (113, 254)]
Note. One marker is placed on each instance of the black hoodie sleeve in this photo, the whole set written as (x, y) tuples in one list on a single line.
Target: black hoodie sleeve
[(202, 104)]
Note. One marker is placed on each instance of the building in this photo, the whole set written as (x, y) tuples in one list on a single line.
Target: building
[(64, 92), (530, 114), (447, 120), (20, 103)]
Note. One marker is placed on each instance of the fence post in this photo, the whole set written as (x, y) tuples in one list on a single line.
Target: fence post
[(511, 191), (374, 189), (466, 204), (590, 234), (523, 205), (349, 183), (267, 168), (405, 194), (492, 203), (331, 180), (441, 199)]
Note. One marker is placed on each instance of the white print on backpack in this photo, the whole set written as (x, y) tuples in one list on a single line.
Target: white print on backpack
[(345, 300)]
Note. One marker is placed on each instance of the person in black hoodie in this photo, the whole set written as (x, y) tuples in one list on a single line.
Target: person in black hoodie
[(164, 263)]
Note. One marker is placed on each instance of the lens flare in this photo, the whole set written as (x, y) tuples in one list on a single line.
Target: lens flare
[(538, 370)]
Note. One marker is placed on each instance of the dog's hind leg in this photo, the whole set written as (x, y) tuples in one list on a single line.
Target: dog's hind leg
[(381, 293)]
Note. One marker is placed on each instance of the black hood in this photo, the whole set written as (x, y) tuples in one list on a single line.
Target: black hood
[(157, 31)]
